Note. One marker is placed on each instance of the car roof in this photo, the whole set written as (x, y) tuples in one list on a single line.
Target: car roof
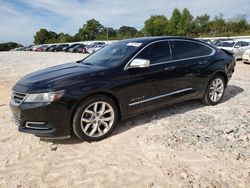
[(145, 40)]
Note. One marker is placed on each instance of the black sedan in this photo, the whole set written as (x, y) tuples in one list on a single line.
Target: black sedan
[(60, 47), (66, 49), (82, 49), (78, 48), (125, 78), (51, 48)]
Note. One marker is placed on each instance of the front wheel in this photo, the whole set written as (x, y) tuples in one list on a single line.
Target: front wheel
[(215, 90), (95, 118)]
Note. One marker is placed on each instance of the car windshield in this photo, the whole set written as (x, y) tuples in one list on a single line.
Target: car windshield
[(226, 44), (113, 54)]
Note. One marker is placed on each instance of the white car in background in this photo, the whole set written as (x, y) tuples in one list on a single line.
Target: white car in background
[(237, 47), (246, 56), (95, 47)]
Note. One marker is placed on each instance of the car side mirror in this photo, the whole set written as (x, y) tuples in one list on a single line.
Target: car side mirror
[(139, 63), (236, 46)]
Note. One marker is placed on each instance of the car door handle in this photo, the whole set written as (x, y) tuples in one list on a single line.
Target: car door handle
[(170, 68)]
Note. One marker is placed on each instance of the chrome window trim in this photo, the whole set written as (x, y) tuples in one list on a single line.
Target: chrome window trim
[(161, 96), (170, 40), (127, 65)]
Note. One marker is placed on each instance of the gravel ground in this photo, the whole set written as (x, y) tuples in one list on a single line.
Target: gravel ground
[(186, 145)]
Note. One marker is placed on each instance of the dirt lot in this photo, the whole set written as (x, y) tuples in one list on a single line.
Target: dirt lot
[(187, 145)]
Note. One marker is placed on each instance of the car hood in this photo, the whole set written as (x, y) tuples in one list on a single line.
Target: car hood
[(56, 77)]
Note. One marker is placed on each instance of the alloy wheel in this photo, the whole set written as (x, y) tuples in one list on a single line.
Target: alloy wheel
[(216, 90), (97, 119)]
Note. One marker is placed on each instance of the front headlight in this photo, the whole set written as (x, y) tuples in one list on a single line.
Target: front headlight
[(44, 97)]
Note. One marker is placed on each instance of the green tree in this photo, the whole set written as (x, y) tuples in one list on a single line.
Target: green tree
[(127, 32), (180, 23), (41, 36), (44, 37), (156, 26), (62, 38), (218, 25), (108, 33), (175, 23), (202, 24), (90, 30), (9, 45), (237, 25), (186, 24)]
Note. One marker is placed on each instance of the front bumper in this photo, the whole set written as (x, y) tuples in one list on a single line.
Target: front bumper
[(42, 119), (246, 60)]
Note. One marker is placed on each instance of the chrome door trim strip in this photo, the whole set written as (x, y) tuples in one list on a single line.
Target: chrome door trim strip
[(161, 96), (168, 40)]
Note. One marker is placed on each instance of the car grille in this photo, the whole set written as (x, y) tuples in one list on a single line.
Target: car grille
[(16, 120), (18, 97)]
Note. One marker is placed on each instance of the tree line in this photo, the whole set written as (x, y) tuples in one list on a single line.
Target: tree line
[(92, 30), (181, 23), (9, 45)]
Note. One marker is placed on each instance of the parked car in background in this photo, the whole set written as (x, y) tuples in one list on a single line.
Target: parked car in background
[(41, 48), (206, 40), (30, 48), (82, 49), (35, 47), (26, 48), (60, 47), (246, 56), (74, 49), (216, 42), (126, 78), (51, 48), (237, 47), (17, 49), (95, 47), (66, 49)]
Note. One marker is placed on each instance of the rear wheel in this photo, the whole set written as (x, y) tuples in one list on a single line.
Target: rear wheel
[(95, 118), (215, 90)]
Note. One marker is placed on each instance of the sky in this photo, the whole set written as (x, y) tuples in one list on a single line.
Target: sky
[(20, 19)]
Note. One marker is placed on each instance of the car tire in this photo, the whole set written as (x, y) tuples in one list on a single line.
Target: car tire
[(95, 118), (215, 90)]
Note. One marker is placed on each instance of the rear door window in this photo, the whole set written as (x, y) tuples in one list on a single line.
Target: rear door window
[(158, 52), (188, 49)]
